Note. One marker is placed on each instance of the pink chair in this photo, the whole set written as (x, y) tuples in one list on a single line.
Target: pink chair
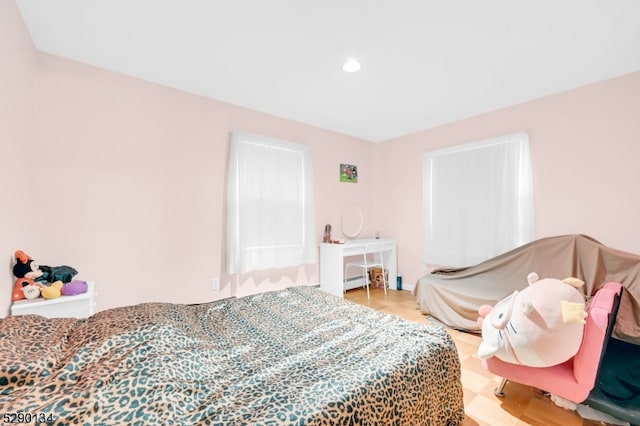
[(575, 378)]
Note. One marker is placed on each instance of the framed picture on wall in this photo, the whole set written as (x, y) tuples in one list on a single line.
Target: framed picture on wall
[(348, 173)]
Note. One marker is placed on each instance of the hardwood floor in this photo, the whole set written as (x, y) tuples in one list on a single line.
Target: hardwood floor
[(522, 405)]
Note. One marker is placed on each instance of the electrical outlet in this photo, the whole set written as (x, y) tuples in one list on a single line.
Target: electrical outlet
[(215, 284)]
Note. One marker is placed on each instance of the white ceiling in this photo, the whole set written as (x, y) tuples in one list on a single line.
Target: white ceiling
[(424, 62)]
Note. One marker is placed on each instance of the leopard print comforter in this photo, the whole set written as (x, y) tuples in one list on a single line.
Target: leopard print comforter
[(291, 357)]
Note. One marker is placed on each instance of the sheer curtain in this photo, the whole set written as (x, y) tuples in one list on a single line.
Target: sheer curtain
[(477, 200), (270, 204)]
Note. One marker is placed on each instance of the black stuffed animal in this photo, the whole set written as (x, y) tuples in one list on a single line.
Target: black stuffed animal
[(26, 267)]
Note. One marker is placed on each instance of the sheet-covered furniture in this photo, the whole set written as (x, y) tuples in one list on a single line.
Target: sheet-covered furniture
[(454, 296), (295, 356)]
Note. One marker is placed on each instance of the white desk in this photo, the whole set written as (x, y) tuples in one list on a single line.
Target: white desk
[(332, 263)]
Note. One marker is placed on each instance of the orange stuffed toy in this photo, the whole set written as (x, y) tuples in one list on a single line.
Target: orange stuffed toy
[(26, 288), (27, 271)]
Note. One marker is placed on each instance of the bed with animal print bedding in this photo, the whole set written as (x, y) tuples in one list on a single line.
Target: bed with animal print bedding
[(289, 357)]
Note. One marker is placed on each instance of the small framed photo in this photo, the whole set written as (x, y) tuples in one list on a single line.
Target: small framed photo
[(348, 173)]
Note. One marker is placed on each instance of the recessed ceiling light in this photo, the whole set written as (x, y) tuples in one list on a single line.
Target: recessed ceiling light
[(351, 65)]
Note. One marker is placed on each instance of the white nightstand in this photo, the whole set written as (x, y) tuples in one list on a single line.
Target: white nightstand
[(78, 306)]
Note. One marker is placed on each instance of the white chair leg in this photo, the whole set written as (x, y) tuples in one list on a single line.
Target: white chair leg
[(366, 283)]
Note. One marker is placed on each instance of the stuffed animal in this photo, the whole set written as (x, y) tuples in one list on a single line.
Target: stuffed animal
[(378, 278), (52, 291), (539, 326), (26, 267), (53, 278), (75, 287), (25, 288)]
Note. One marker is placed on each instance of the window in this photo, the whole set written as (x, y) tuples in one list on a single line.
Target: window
[(270, 204), (477, 200)]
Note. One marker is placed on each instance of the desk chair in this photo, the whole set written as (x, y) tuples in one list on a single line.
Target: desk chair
[(374, 248)]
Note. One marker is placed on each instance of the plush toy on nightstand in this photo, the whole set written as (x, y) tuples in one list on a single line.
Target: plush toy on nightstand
[(26, 271), (52, 291), (52, 282), (25, 288), (26, 267), (75, 287)]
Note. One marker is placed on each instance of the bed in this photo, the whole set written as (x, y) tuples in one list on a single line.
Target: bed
[(293, 356)]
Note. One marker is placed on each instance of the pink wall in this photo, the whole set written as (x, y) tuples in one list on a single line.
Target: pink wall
[(136, 181), (18, 65), (585, 147), (124, 179)]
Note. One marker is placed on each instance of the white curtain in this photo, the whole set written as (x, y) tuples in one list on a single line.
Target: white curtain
[(477, 200), (270, 204)]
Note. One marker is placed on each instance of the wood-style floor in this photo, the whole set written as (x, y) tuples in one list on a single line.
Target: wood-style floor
[(522, 405)]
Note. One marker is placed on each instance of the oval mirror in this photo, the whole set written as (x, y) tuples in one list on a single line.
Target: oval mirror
[(351, 221)]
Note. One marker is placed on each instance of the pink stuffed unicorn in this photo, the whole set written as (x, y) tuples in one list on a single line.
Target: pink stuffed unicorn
[(539, 326)]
